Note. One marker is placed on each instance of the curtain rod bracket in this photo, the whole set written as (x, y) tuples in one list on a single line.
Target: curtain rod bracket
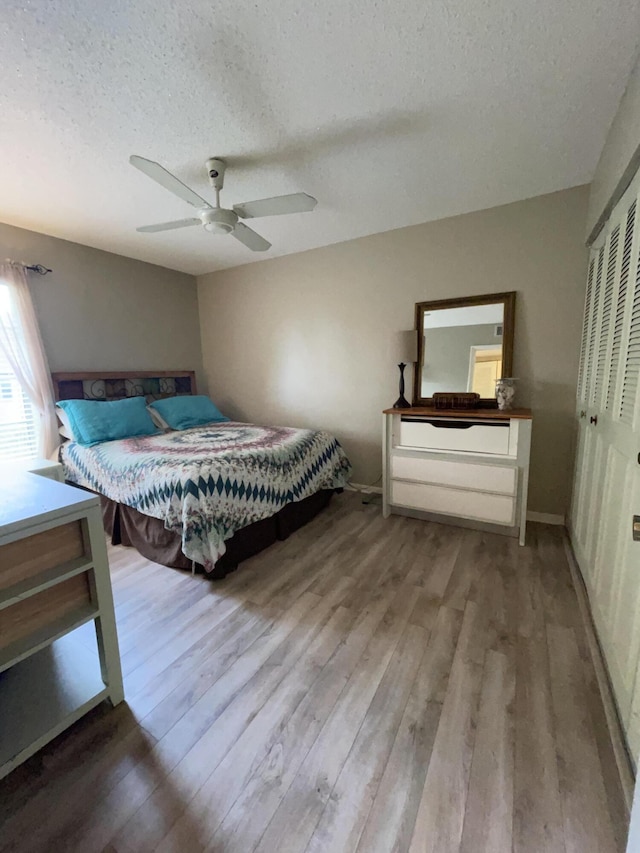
[(41, 270)]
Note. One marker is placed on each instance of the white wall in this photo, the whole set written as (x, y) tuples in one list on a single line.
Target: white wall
[(307, 339), (99, 311)]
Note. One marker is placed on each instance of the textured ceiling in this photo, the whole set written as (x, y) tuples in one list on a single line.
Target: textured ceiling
[(390, 113)]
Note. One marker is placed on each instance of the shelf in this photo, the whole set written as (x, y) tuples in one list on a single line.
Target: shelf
[(44, 694), (37, 583), (54, 581), (34, 642)]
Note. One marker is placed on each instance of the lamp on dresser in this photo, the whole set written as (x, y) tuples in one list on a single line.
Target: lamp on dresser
[(406, 352)]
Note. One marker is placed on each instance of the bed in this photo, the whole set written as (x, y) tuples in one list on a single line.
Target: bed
[(209, 496)]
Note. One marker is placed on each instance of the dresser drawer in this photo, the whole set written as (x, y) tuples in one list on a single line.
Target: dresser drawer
[(463, 475), (28, 558), (455, 434), (45, 609), (497, 509)]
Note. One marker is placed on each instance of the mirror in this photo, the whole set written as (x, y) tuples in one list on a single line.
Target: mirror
[(464, 345)]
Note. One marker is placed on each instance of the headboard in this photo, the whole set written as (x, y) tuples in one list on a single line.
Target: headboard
[(114, 385)]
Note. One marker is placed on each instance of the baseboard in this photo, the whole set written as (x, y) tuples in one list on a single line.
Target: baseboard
[(546, 518), (455, 521), (616, 732), (362, 487), (542, 517)]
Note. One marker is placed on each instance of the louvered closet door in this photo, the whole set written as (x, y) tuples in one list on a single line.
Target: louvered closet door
[(585, 502), (607, 480)]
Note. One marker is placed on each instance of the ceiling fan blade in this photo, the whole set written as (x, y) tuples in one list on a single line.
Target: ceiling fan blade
[(250, 239), (294, 203), (169, 226), (160, 175)]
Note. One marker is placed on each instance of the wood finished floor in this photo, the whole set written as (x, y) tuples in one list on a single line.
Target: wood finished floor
[(367, 685)]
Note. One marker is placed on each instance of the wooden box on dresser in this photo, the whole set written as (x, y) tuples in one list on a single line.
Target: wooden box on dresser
[(463, 467), (54, 579)]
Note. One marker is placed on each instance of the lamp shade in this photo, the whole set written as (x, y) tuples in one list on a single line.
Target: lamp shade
[(406, 347)]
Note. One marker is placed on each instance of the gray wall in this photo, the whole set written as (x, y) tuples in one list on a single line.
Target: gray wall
[(307, 339), (620, 156), (99, 311), (447, 353)]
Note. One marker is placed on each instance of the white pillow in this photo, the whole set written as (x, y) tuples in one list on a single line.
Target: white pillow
[(157, 418), (65, 429)]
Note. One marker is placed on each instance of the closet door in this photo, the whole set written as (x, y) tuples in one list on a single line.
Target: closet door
[(580, 488), (607, 482), (586, 498), (625, 456)]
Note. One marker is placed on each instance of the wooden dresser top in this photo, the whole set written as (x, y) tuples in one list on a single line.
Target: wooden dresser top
[(485, 414)]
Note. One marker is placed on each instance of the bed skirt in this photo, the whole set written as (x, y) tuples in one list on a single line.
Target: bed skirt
[(128, 526)]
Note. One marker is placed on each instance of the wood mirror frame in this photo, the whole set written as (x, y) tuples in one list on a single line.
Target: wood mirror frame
[(508, 301)]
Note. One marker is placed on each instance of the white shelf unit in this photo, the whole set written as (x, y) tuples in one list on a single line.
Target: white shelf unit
[(69, 684), (471, 469), (54, 578)]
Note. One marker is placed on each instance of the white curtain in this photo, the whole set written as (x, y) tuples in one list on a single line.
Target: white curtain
[(22, 345)]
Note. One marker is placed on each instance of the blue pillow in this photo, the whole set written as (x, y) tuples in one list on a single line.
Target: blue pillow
[(187, 411), (93, 421)]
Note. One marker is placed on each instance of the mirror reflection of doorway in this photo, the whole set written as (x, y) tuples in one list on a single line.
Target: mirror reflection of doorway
[(485, 368)]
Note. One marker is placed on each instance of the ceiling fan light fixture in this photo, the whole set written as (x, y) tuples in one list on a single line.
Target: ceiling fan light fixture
[(218, 220), (218, 227)]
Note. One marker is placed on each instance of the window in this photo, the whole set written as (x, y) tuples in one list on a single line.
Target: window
[(18, 416)]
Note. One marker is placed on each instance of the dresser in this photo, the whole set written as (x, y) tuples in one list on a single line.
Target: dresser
[(58, 644), (466, 468)]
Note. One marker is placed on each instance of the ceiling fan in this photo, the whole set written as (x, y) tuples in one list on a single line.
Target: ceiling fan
[(219, 220)]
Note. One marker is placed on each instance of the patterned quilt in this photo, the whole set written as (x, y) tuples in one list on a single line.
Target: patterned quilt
[(208, 482)]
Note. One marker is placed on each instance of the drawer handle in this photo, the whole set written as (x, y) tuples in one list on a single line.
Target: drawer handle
[(450, 424), (455, 424)]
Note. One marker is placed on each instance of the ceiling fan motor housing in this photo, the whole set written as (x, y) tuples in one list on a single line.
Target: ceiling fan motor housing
[(215, 170), (217, 220)]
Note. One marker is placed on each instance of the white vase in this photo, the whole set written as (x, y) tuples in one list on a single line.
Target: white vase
[(505, 392)]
